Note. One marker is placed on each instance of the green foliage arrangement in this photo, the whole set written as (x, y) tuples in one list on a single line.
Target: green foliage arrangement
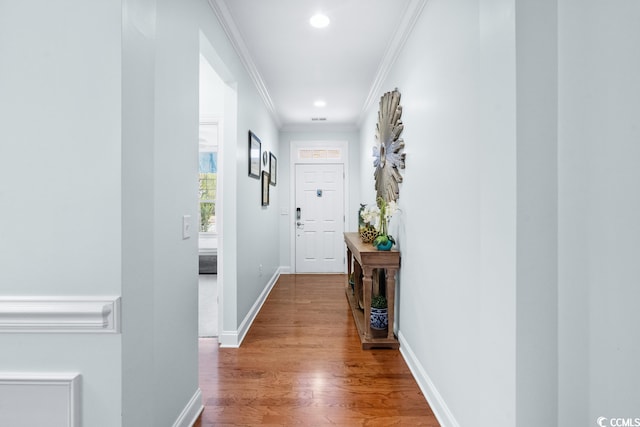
[(379, 301), (208, 182)]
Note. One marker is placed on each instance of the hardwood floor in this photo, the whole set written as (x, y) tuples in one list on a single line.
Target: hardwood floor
[(301, 364)]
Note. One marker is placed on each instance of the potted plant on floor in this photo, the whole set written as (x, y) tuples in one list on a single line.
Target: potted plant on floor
[(379, 318)]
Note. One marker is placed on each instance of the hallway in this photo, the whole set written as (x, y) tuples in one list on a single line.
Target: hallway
[(301, 364)]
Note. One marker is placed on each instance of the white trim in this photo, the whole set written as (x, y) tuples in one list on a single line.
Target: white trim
[(434, 398), (295, 146), (285, 270), (44, 381), (233, 339), (53, 314), (228, 339), (409, 19), (230, 28), (191, 412)]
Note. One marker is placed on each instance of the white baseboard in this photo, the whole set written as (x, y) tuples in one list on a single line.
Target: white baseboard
[(53, 314), (233, 339), (435, 400), (228, 339), (40, 399), (191, 412)]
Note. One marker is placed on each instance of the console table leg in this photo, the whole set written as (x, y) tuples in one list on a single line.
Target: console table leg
[(391, 303), (366, 285), (357, 277)]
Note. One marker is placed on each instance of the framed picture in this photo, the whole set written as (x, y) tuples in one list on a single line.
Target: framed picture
[(255, 147), (265, 188), (273, 168)]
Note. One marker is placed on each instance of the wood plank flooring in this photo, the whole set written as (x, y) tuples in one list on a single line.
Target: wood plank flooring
[(301, 364)]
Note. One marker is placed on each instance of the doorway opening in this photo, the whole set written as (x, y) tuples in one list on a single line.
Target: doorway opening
[(211, 111), (210, 133)]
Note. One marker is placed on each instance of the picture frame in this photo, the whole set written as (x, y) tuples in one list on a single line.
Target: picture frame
[(265, 188), (273, 169), (255, 149)]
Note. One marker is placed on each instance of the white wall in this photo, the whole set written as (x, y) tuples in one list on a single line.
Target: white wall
[(211, 90), (250, 230), (183, 31), (518, 229), (257, 225), (160, 113), (102, 100), (457, 227), (138, 259), (599, 207), (60, 181), (537, 229)]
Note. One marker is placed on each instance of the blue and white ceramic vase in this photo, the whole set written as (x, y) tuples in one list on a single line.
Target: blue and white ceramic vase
[(379, 318)]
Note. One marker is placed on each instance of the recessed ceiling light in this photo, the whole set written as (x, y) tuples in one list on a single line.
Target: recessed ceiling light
[(320, 103), (319, 20)]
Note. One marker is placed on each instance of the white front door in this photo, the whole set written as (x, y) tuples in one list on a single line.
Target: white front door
[(319, 218)]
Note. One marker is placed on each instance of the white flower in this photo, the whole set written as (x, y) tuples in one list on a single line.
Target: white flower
[(370, 215), (392, 208)]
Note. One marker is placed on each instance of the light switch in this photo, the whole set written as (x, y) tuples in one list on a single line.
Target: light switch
[(186, 226)]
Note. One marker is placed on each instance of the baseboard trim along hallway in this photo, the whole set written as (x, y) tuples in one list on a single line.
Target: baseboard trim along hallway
[(191, 412), (233, 339), (436, 402)]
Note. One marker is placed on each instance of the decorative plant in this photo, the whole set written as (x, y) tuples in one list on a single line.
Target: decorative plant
[(379, 317), (206, 212), (386, 211), (379, 301), (370, 215), (208, 183)]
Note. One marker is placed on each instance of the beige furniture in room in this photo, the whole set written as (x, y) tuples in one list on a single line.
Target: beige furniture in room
[(365, 261)]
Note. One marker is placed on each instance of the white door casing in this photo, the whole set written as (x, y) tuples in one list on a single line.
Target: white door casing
[(315, 152), (319, 196)]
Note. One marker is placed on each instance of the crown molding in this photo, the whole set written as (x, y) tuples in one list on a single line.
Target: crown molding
[(409, 19), (60, 314), (231, 30)]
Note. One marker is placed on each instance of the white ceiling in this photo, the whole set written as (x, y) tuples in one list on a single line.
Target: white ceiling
[(294, 64)]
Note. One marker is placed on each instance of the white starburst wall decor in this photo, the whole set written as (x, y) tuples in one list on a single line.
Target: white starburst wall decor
[(388, 155)]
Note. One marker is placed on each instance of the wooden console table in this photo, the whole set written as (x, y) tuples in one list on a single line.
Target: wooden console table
[(367, 259)]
